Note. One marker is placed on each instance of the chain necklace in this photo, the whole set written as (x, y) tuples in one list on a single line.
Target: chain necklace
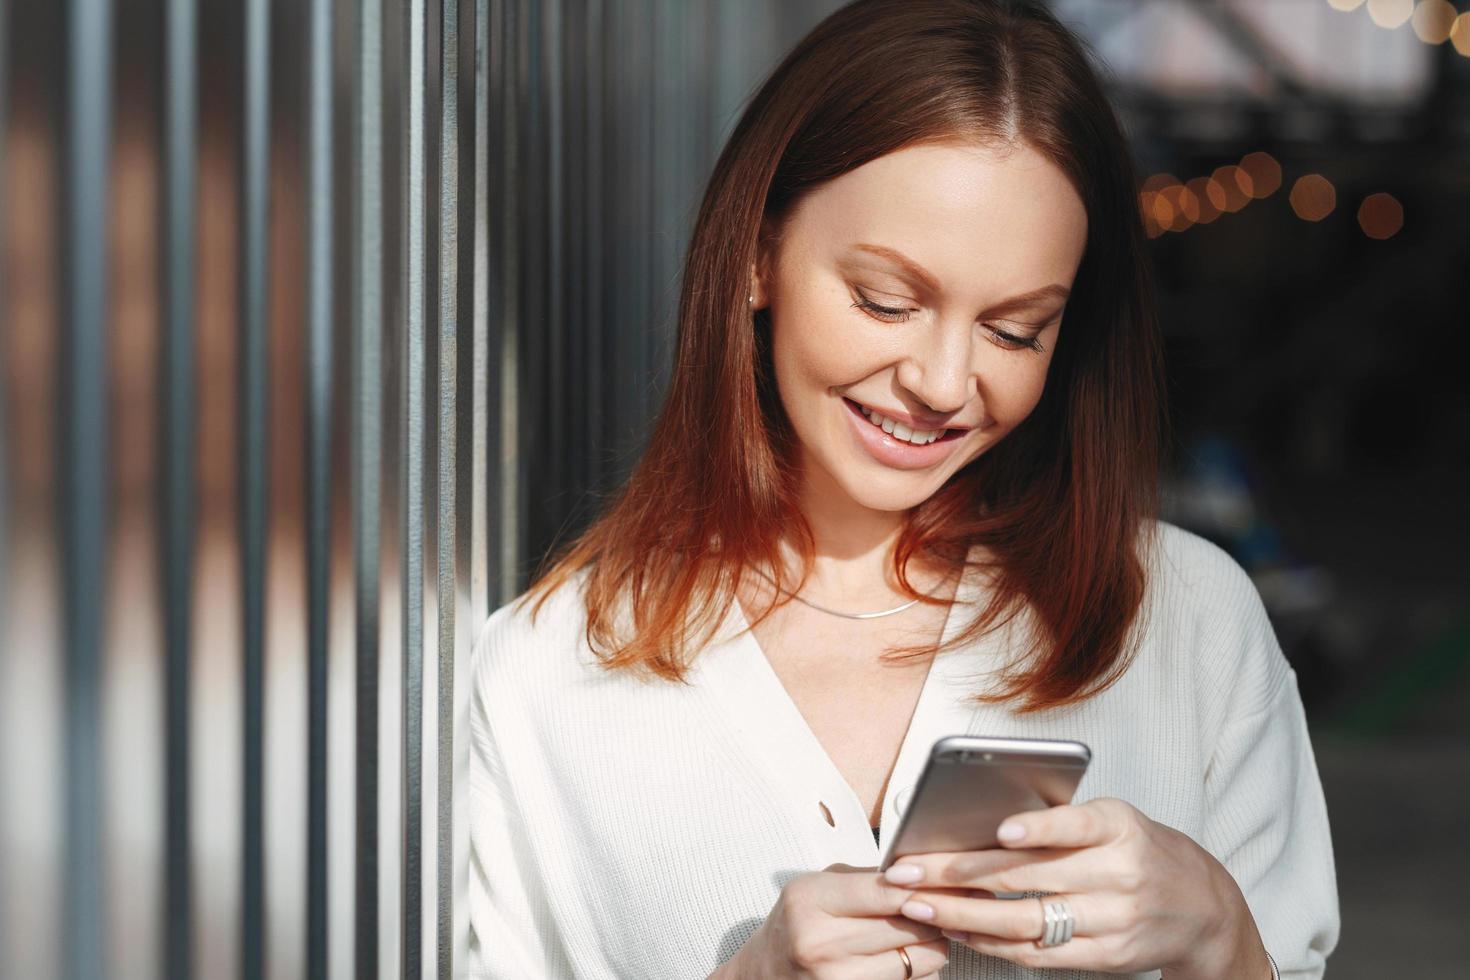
[(835, 612)]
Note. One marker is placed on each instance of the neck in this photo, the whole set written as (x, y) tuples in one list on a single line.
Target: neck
[(854, 547)]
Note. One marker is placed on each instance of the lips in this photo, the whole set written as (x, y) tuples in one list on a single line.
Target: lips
[(897, 453), (902, 427), (915, 423)]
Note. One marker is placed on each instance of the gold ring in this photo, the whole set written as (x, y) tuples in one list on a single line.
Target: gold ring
[(908, 964)]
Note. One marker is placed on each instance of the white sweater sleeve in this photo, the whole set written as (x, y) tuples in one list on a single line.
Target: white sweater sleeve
[(510, 929), (1266, 821)]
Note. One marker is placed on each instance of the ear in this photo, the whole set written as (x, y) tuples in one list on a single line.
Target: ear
[(762, 269)]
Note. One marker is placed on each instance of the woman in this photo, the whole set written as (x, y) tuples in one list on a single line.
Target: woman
[(896, 494)]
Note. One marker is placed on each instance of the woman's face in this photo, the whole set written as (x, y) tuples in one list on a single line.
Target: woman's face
[(925, 289)]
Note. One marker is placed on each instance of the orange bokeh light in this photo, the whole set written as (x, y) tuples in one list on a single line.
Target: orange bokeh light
[(1263, 173), (1433, 20), (1380, 216), (1208, 210), (1313, 197), (1460, 34), (1229, 188), (1390, 13)]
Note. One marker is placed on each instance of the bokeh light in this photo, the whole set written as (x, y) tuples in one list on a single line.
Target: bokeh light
[(1344, 4), (1381, 215), (1183, 204), (1460, 34), (1199, 187), (1313, 197), (1229, 188), (1264, 174), (1433, 20), (1390, 13)]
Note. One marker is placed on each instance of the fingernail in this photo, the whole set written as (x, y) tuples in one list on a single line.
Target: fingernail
[(904, 874), (916, 910), (956, 935), (1011, 831)]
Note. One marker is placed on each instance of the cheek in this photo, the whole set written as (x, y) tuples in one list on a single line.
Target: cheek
[(1012, 394), (815, 350)]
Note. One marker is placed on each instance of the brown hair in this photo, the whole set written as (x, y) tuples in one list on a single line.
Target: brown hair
[(1060, 507)]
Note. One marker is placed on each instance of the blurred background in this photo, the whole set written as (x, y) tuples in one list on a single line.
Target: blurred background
[(320, 321)]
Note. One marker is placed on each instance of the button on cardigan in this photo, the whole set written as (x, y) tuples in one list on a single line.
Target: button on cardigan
[(625, 827)]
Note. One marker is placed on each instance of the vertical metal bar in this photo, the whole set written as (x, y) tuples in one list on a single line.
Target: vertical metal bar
[(531, 310), (448, 480), (510, 458), (596, 178), (412, 499), (4, 450), (578, 317), (177, 464), (555, 400), (5, 313), (367, 470), (318, 463), (254, 469), (480, 327), (83, 390)]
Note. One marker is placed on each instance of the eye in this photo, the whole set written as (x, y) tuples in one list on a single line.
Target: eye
[(886, 313), (1011, 342), (1000, 338)]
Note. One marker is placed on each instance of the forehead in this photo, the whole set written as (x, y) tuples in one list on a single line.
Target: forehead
[(982, 220)]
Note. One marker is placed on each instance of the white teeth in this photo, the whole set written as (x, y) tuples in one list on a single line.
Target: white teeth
[(918, 437)]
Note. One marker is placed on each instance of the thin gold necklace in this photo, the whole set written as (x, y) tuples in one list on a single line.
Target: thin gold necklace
[(836, 612)]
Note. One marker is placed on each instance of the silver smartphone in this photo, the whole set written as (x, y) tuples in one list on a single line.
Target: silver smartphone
[(972, 782)]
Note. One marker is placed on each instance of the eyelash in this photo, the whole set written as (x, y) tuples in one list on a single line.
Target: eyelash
[(890, 315)]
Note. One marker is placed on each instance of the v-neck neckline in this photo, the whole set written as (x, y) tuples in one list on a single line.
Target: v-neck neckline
[(763, 709)]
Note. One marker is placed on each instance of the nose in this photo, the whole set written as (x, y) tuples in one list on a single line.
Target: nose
[(938, 372)]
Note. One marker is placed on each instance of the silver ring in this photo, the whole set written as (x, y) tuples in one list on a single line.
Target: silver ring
[(1059, 922)]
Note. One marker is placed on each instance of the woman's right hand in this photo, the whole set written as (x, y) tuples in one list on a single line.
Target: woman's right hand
[(841, 923)]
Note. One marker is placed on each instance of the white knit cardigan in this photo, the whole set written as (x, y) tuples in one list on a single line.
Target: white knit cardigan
[(642, 829)]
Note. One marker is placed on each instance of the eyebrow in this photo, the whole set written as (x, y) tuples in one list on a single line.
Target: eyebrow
[(1028, 299)]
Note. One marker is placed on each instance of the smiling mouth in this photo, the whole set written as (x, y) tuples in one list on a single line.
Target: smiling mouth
[(900, 431)]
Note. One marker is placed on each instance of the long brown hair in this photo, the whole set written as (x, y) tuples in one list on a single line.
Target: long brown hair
[(1061, 508)]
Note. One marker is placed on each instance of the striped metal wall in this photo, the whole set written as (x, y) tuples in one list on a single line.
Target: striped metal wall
[(322, 320)]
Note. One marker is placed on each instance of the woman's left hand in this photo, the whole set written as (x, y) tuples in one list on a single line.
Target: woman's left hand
[(1143, 896)]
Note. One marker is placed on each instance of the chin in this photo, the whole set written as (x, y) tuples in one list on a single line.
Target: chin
[(896, 494)]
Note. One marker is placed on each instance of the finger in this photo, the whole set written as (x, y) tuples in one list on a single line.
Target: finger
[(1068, 825), (1043, 869), (873, 935), (864, 893), (927, 959), (1011, 919)]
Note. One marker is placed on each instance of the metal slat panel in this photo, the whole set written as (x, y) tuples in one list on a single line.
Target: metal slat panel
[(254, 470), (5, 504), (447, 510), (590, 315), (366, 467), (480, 329), (177, 463), (533, 491), (508, 361), (83, 386), (555, 431), (318, 463), (412, 500)]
